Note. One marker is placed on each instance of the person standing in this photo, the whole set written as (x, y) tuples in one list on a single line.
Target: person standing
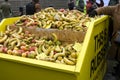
[(71, 4), (114, 51), (33, 7), (6, 9), (92, 4), (88, 6), (80, 5), (113, 2), (21, 11)]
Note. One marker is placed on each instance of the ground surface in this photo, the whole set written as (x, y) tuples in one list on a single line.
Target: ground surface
[(111, 74)]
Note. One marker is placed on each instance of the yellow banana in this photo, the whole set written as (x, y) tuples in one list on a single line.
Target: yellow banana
[(3, 39)]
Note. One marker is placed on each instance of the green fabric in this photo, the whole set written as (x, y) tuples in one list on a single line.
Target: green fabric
[(77, 2), (80, 4), (85, 9), (6, 9)]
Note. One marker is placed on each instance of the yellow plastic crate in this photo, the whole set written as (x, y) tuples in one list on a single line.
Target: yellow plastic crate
[(91, 63)]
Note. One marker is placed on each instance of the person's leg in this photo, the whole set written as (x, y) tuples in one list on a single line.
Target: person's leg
[(116, 73), (112, 52)]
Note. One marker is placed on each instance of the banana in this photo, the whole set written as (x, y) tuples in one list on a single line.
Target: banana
[(57, 61), (15, 35), (31, 19), (9, 52), (43, 48), (12, 39), (69, 62), (3, 39), (73, 55), (54, 37), (13, 31), (20, 30), (51, 54), (39, 49), (47, 26), (72, 59), (46, 51), (28, 24), (13, 43), (60, 54), (41, 56), (1, 34), (57, 48), (18, 42), (19, 24), (62, 61), (6, 42), (59, 58), (8, 28), (36, 51)]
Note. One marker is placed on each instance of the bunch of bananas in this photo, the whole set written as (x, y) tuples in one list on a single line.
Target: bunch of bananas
[(19, 42), (56, 19)]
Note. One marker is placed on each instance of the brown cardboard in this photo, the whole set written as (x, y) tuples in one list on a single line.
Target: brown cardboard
[(62, 35)]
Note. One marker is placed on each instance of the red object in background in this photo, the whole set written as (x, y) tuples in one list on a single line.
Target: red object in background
[(88, 5), (62, 10)]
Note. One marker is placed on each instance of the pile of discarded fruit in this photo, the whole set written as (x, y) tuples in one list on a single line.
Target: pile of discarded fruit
[(56, 19), (20, 42)]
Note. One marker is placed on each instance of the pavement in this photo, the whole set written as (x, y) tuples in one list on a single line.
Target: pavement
[(111, 74)]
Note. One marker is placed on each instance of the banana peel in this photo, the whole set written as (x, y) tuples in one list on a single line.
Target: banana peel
[(3, 38), (41, 56), (77, 47), (47, 26), (55, 38)]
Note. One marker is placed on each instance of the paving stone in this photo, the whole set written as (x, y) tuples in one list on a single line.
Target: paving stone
[(110, 70)]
